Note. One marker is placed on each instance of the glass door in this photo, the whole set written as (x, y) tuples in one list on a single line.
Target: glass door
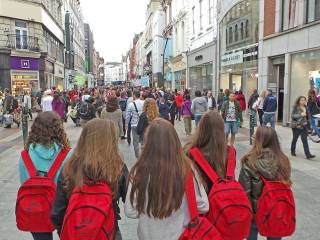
[(21, 38)]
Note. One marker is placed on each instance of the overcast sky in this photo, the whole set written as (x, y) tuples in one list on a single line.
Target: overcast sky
[(114, 23)]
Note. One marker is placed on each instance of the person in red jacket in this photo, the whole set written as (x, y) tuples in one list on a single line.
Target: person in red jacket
[(179, 102), (241, 99)]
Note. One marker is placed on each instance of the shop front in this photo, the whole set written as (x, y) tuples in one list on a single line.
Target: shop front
[(24, 75), (238, 50), (200, 64), (59, 76), (179, 75)]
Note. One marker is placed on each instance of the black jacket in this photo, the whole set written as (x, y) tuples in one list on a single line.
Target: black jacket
[(61, 200), (142, 125), (313, 106)]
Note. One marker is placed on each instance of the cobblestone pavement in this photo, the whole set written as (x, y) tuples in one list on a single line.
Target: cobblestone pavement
[(306, 175)]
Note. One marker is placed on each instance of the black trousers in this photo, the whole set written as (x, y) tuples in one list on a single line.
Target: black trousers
[(260, 113), (303, 133), (42, 236)]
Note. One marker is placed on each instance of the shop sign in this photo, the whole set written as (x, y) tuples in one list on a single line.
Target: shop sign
[(199, 58), (49, 67), (20, 63), (233, 58), (145, 81), (250, 54)]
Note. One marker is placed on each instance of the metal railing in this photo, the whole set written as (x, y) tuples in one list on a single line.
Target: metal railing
[(23, 42)]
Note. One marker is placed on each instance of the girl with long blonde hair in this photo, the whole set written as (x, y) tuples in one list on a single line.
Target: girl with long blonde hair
[(96, 158)]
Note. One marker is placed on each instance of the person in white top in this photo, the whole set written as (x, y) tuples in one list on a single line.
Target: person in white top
[(27, 103), (258, 105), (46, 102), (156, 193), (132, 117)]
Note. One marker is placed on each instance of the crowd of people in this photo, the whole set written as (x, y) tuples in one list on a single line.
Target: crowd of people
[(171, 188)]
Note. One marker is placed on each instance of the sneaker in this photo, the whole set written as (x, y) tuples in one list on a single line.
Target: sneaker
[(293, 154), (311, 156)]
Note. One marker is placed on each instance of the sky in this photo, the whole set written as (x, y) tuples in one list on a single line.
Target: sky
[(114, 23)]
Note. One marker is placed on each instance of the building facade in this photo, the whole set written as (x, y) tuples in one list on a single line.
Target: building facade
[(31, 45), (75, 67), (238, 45), (202, 44), (289, 54), (113, 72)]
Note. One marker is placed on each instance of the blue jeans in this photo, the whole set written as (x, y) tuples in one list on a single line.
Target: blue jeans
[(197, 119), (231, 127), (254, 233), (42, 236), (314, 125), (269, 118)]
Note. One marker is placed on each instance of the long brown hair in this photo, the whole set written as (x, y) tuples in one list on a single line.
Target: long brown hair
[(159, 176), (210, 139), (46, 130), (96, 157), (151, 109), (112, 104), (267, 138)]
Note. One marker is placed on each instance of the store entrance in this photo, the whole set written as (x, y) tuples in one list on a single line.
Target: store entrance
[(236, 82), (280, 91)]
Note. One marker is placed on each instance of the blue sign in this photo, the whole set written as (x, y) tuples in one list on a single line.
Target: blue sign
[(169, 76), (145, 81)]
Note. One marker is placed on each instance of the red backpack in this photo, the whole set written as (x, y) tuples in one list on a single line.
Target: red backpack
[(90, 214), (36, 196), (230, 210), (276, 214), (199, 227)]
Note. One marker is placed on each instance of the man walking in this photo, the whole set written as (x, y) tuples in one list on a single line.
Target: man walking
[(199, 107), (231, 113), (132, 118), (270, 106), (212, 104)]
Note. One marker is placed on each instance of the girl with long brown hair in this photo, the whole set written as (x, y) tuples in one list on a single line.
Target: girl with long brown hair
[(96, 158), (46, 140), (156, 185), (265, 159), (113, 113), (210, 140)]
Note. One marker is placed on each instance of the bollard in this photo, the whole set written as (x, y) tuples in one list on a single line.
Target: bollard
[(252, 123), (25, 124)]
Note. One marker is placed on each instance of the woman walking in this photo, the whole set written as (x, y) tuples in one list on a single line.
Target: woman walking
[(187, 115), (113, 113), (314, 109), (96, 159), (299, 123), (58, 105), (149, 113), (259, 106), (156, 193), (46, 140), (265, 160)]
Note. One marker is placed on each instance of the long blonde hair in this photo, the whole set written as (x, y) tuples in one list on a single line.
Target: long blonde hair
[(96, 157), (151, 109)]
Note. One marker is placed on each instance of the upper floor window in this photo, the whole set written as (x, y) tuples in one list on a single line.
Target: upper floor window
[(290, 14), (313, 11), (236, 34), (230, 35), (193, 21), (210, 12), (241, 31), (247, 33), (201, 14)]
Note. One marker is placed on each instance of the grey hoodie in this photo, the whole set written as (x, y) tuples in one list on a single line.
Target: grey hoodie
[(199, 106)]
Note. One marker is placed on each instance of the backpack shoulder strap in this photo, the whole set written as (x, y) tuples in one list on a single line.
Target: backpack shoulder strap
[(191, 197), (28, 163), (203, 163), (135, 106), (231, 166), (57, 163)]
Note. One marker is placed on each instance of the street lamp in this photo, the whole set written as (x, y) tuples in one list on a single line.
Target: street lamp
[(164, 50)]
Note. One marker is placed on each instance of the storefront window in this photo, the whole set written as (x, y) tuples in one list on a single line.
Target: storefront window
[(22, 81), (313, 10), (305, 73), (180, 80), (200, 77)]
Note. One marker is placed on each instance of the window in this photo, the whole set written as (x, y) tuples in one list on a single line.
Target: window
[(290, 14), (182, 36), (210, 11), (226, 36), (193, 18), (21, 35), (201, 14), (247, 29), (230, 35), (313, 11), (236, 34), (241, 31)]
